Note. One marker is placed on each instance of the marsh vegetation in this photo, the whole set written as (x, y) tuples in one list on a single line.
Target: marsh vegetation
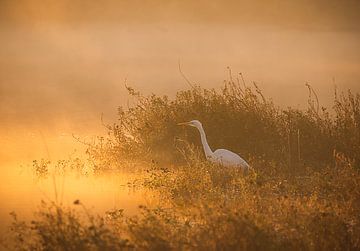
[(302, 194)]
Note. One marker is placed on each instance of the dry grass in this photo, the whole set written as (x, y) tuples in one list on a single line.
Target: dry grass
[(304, 192)]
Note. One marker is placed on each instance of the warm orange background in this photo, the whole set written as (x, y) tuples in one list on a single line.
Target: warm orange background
[(63, 63)]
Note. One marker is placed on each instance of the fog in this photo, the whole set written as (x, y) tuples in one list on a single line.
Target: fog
[(63, 64)]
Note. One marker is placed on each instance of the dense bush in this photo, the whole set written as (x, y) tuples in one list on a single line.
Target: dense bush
[(58, 228), (239, 118), (208, 207), (303, 192)]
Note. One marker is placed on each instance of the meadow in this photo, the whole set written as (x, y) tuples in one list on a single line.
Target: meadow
[(303, 192)]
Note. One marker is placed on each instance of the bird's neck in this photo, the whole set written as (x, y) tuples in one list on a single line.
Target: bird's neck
[(207, 149)]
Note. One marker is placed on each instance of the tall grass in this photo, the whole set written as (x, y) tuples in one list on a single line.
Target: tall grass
[(207, 207), (303, 192), (237, 117)]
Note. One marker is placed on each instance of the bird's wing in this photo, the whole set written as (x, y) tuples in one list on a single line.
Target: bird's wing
[(230, 158)]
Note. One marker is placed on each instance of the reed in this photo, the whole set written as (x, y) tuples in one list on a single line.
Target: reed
[(303, 192)]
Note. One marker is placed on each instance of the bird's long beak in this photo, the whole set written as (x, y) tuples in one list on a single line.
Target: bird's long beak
[(183, 123)]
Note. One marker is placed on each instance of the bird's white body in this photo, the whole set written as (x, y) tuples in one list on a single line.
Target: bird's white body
[(220, 156), (229, 158)]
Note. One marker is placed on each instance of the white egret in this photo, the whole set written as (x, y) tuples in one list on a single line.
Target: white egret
[(220, 156)]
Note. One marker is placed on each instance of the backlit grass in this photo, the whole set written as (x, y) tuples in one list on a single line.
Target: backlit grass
[(302, 194)]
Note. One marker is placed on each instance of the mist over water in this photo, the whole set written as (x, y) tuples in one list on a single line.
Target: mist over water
[(21, 191), (65, 64), (61, 73), (62, 78), (62, 66)]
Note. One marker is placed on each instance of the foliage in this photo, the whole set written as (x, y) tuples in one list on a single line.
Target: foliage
[(237, 117), (206, 207), (58, 228), (303, 192)]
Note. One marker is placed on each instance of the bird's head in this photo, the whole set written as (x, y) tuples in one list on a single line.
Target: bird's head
[(194, 123)]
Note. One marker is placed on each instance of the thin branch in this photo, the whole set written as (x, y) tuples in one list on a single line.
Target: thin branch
[(298, 145), (230, 75), (317, 99), (312, 91), (185, 78), (257, 89), (81, 141), (103, 124), (242, 78)]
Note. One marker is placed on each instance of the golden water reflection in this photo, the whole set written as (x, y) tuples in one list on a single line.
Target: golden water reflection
[(21, 191)]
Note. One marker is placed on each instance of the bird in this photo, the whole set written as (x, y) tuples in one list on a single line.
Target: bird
[(220, 156)]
